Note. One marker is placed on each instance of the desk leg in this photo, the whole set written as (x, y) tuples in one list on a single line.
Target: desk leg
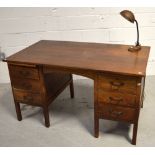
[(46, 116), (96, 115), (96, 125), (18, 111), (72, 89), (143, 97), (135, 127)]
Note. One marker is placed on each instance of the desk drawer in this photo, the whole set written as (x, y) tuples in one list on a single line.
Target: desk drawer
[(116, 98), (23, 72), (118, 83), (27, 97), (26, 84), (117, 113)]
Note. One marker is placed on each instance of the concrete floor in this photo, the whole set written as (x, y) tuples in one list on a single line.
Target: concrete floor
[(72, 121)]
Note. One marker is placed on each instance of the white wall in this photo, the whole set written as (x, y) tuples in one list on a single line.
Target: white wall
[(20, 27)]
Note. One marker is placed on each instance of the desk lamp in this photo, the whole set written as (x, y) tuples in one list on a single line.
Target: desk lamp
[(128, 15)]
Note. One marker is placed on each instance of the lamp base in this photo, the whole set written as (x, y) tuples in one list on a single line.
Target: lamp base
[(134, 48)]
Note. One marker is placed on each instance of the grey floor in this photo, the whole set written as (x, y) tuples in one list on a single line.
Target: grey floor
[(72, 121)]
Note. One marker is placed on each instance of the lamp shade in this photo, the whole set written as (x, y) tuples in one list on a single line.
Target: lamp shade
[(128, 15)]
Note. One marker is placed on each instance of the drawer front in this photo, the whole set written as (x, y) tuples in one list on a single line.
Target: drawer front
[(23, 72), (116, 98), (26, 97), (117, 113), (117, 83), (26, 84)]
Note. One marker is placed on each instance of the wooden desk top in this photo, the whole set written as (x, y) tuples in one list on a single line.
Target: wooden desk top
[(87, 56)]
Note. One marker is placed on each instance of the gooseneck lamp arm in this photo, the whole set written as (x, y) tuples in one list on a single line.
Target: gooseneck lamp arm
[(137, 43)]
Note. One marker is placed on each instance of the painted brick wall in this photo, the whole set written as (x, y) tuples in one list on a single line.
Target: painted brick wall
[(20, 27)]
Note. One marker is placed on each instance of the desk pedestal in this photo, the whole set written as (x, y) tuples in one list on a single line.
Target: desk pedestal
[(118, 98), (32, 86)]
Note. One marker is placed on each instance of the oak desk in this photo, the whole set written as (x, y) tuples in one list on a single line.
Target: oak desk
[(118, 75)]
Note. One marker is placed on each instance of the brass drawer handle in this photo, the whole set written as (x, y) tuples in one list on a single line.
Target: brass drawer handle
[(115, 113), (28, 98), (24, 73), (115, 100), (118, 84)]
